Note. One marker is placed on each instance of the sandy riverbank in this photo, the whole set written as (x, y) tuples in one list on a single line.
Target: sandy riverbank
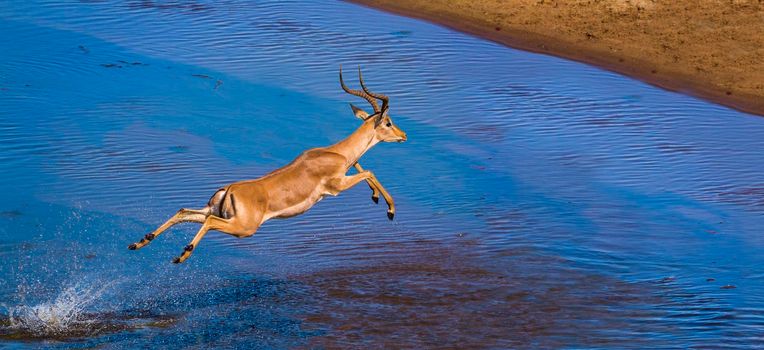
[(710, 49)]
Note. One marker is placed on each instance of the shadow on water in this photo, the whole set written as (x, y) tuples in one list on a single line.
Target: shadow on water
[(541, 203)]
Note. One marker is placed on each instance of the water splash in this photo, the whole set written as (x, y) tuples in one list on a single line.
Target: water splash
[(66, 315)]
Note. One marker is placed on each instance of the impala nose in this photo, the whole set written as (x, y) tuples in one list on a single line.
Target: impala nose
[(403, 138)]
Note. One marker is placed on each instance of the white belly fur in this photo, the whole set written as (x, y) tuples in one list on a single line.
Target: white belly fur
[(298, 208)]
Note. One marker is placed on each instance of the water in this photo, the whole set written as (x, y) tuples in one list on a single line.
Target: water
[(66, 317), (541, 203)]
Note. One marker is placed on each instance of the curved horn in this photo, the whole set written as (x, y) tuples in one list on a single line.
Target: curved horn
[(359, 93), (385, 100)]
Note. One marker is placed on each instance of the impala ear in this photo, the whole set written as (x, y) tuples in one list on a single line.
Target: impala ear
[(360, 113)]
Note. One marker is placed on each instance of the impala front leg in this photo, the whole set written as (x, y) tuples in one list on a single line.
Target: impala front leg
[(374, 189), (376, 186), (344, 183)]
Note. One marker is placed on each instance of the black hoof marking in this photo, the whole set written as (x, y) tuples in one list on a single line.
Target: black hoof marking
[(189, 248), (390, 215), (176, 261), (149, 236), (132, 246), (375, 199)]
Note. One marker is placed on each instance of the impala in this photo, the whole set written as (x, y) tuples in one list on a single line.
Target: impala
[(241, 207)]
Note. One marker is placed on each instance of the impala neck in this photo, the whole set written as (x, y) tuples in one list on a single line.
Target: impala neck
[(355, 145)]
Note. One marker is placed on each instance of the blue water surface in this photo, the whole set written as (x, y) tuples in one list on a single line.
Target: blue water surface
[(541, 203)]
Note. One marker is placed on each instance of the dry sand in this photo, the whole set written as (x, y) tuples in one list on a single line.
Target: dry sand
[(711, 49)]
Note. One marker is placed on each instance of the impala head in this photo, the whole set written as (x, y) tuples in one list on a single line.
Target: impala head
[(384, 128)]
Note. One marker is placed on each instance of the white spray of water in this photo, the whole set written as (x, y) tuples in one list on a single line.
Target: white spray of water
[(64, 315)]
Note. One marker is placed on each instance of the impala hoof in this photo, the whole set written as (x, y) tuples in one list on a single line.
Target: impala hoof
[(390, 215), (149, 236), (176, 261), (375, 199), (189, 248), (132, 246)]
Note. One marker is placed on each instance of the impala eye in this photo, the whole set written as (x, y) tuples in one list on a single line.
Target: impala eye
[(389, 124)]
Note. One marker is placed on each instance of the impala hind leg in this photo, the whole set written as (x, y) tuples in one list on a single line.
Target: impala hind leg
[(231, 226), (183, 215), (376, 186)]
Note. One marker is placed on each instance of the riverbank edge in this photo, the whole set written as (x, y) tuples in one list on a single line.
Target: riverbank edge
[(641, 70)]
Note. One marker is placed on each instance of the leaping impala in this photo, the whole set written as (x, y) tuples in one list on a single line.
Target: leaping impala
[(241, 207)]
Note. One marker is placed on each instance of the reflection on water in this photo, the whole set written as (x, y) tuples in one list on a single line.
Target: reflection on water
[(447, 298), (541, 203)]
